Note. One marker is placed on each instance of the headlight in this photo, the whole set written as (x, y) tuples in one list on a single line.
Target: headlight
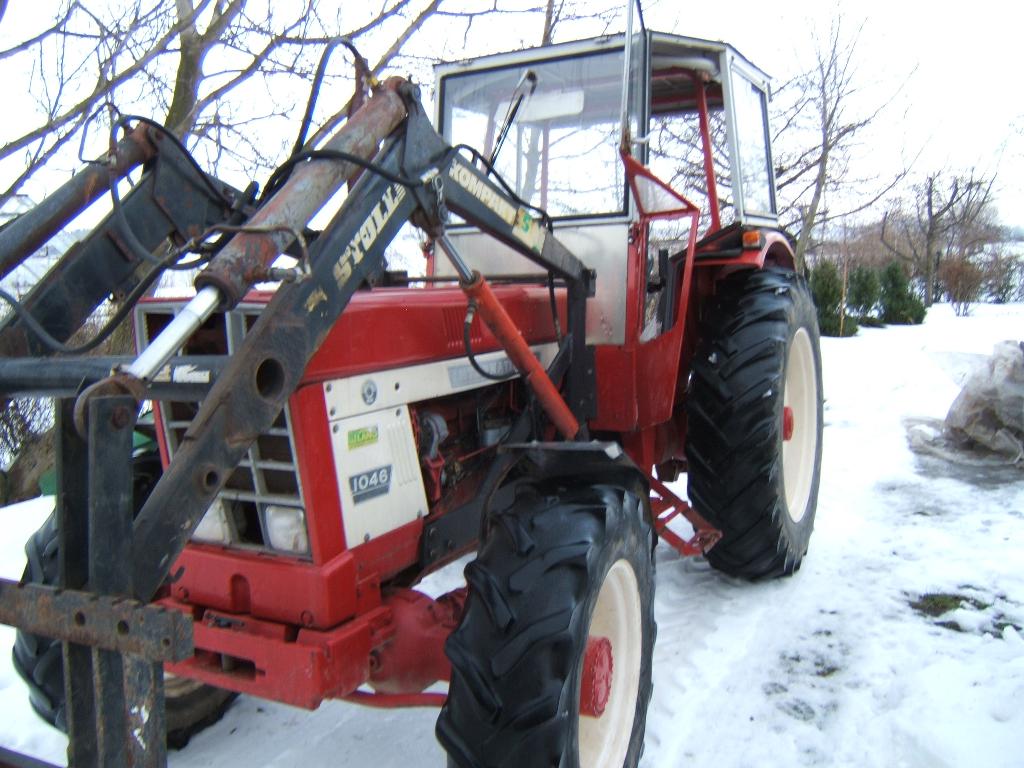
[(213, 528), (286, 529)]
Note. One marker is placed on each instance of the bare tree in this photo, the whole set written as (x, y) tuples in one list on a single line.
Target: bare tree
[(226, 76), (1004, 273), (816, 127), (215, 72), (946, 217)]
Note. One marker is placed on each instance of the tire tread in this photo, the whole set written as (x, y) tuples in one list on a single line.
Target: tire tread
[(513, 653), (734, 424)]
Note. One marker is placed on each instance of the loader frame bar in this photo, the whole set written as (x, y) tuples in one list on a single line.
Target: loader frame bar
[(113, 646), (258, 379), (115, 699)]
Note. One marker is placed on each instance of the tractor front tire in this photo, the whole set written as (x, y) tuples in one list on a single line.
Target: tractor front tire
[(754, 412), (562, 576), (190, 706)]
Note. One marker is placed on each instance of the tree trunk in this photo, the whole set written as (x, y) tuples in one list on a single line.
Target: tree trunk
[(187, 77), (929, 273), (929, 242), (803, 241), (34, 459)]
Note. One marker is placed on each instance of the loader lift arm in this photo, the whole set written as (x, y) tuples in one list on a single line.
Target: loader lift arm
[(260, 377), (173, 201), (414, 175)]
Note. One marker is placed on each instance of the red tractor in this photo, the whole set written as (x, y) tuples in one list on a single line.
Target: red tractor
[(581, 335)]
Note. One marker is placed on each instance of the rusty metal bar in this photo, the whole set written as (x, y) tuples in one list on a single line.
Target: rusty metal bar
[(146, 713), (110, 623), (118, 690), (73, 558), (27, 233), (109, 499), (173, 201), (246, 258), (10, 759), (65, 377)]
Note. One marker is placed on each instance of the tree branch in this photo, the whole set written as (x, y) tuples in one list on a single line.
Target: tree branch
[(102, 87)]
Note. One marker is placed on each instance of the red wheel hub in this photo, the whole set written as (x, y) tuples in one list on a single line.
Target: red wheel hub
[(787, 423), (596, 685)]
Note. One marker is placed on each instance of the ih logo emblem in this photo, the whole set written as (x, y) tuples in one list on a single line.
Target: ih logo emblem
[(369, 392), (369, 485), (362, 437)]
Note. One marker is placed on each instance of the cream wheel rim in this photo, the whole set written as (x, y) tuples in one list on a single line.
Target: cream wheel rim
[(800, 396), (177, 687), (604, 740)]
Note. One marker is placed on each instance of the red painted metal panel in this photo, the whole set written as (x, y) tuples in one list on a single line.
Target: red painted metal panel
[(272, 661), (411, 320), (315, 463), (268, 586), (387, 555), (637, 381), (616, 389)]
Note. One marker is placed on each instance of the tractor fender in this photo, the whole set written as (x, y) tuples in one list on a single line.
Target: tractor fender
[(578, 462), (775, 251)]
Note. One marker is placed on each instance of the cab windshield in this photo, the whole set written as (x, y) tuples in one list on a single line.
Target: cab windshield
[(561, 152)]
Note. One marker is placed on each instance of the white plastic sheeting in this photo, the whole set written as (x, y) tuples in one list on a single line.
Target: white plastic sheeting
[(990, 409)]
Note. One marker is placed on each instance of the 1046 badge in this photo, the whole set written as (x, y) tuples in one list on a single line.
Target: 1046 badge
[(370, 484)]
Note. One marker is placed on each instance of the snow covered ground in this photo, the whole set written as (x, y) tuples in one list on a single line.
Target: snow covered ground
[(831, 667)]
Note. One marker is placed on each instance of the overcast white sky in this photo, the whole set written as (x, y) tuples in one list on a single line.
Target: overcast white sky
[(962, 103), (952, 67)]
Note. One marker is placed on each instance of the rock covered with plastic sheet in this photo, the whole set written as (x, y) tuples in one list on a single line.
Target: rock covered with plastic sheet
[(989, 411)]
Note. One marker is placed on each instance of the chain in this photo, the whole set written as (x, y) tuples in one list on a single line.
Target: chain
[(442, 210)]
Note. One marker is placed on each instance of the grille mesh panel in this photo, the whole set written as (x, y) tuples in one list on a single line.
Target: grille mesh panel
[(267, 475)]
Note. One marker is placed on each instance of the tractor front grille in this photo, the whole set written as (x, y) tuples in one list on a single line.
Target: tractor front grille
[(264, 488)]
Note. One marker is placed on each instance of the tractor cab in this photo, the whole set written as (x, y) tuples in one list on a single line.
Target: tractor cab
[(638, 149)]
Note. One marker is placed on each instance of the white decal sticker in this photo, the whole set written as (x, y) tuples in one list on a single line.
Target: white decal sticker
[(190, 374)]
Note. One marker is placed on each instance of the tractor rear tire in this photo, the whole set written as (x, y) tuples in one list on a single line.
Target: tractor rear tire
[(190, 706), (754, 411), (557, 569)]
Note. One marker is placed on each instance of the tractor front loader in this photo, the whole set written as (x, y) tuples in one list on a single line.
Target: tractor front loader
[(332, 430)]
